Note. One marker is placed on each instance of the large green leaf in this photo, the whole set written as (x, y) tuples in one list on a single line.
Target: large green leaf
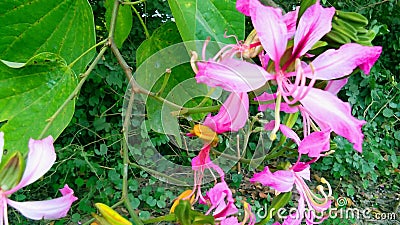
[(124, 22), (199, 19), (30, 95), (155, 55), (31, 27), (166, 35)]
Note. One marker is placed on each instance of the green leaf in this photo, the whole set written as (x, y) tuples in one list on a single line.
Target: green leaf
[(164, 36), (182, 212), (155, 56), (30, 95), (203, 219), (197, 20), (387, 112), (397, 135), (124, 21), (278, 202), (31, 27), (304, 6)]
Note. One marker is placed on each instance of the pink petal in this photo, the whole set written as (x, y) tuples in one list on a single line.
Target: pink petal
[(334, 64), (285, 131), (232, 116), (271, 29), (232, 75), (220, 190), (1, 144), (230, 221), (202, 158), (289, 133), (304, 172), (281, 180), (203, 161), (290, 19), (47, 209), (41, 158), (334, 86), (243, 6), (315, 143), (313, 25), (224, 210), (268, 97), (329, 112), (221, 200)]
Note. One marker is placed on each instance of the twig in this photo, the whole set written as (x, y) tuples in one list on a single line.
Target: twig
[(74, 93), (133, 3), (146, 31)]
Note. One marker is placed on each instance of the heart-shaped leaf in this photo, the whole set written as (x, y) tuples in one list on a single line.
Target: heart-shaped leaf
[(31, 27), (30, 95)]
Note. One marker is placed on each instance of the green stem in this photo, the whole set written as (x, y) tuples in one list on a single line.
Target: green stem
[(242, 160), (165, 82), (74, 93), (194, 110), (87, 51), (205, 99), (133, 3), (124, 197), (125, 156), (146, 31), (113, 21), (135, 86), (169, 217)]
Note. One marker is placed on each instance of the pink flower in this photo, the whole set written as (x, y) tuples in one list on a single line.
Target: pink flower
[(232, 75), (273, 32), (232, 116), (333, 114), (328, 112), (335, 64), (220, 200), (230, 221), (312, 145), (41, 157), (284, 180), (203, 161), (249, 217)]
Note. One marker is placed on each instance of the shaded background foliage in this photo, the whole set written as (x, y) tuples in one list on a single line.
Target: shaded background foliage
[(88, 151)]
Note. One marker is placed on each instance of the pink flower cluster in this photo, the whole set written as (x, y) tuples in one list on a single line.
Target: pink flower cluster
[(294, 72)]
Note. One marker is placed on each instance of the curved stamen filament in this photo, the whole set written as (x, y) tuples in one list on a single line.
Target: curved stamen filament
[(203, 52), (311, 84), (299, 77), (272, 136), (306, 124), (315, 200), (324, 181), (226, 51), (300, 86), (232, 35), (193, 60)]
